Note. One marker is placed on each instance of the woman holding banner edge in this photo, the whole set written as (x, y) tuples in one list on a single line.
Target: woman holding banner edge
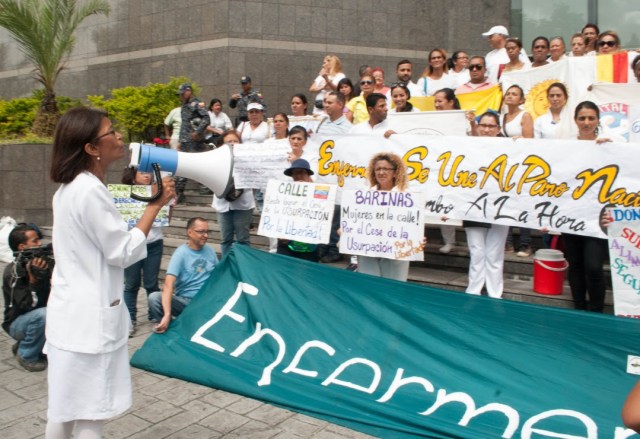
[(486, 241), (386, 172), (586, 255)]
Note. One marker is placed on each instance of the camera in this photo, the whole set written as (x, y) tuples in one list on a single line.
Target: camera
[(23, 257)]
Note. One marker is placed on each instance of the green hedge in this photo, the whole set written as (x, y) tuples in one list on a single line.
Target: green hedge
[(139, 112)]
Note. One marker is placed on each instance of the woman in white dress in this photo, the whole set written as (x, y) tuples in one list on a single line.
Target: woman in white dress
[(327, 80), (436, 75), (517, 123), (486, 241), (547, 126), (87, 320)]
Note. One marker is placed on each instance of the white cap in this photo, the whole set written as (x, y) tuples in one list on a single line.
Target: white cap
[(255, 106), (496, 30)]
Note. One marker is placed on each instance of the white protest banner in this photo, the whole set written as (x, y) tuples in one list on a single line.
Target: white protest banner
[(558, 184), (624, 253), (431, 123), (298, 211), (619, 105), (309, 122), (130, 209), (382, 224), (254, 164)]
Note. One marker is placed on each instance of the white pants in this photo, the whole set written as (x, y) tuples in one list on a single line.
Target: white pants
[(448, 234), (486, 250), (389, 268)]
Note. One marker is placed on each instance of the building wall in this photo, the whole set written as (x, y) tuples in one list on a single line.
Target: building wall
[(279, 43)]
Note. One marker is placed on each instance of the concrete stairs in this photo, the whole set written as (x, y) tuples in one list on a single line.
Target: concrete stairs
[(447, 271)]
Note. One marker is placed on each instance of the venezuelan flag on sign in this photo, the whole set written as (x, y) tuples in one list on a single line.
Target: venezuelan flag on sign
[(613, 67)]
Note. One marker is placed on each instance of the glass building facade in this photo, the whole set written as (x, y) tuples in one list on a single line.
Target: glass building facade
[(550, 18)]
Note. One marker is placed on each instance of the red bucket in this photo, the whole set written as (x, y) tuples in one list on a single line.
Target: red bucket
[(549, 267)]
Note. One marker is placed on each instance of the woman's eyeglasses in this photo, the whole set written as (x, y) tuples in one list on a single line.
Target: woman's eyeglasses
[(366, 82), (111, 131)]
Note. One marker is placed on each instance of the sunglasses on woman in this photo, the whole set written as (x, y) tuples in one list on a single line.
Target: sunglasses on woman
[(609, 43)]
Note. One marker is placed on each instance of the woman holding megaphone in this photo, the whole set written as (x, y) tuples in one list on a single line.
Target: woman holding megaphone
[(87, 321)]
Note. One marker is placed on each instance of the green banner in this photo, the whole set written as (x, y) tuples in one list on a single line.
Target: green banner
[(397, 360)]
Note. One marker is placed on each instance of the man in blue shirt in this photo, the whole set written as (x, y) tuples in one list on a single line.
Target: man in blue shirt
[(189, 268)]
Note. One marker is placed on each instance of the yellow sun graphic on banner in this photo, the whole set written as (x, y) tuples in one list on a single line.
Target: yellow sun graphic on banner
[(536, 103)]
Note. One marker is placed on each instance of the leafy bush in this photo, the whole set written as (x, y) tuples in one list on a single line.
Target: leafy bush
[(139, 112), (17, 115)]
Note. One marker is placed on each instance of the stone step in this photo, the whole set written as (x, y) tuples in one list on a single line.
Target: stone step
[(448, 271)]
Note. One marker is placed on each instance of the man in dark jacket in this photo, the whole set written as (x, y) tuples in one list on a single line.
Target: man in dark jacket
[(26, 286)]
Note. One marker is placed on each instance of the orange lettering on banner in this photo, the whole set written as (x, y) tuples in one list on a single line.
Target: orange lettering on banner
[(416, 170), (606, 176), (533, 163), (497, 170), (456, 178)]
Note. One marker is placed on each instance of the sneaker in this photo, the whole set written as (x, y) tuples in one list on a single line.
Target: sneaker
[(352, 267), (525, 252), (446, 248), (509, 248), (36, 366), (14, 348), (328, 259)]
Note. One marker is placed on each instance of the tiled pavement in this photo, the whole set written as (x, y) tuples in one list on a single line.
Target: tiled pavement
[(162, 407)]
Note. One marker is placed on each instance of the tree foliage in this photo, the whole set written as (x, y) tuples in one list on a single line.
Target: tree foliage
[(45, 33), (139, 112)]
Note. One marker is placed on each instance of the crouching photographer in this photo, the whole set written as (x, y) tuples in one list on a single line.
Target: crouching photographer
[(26, 286)]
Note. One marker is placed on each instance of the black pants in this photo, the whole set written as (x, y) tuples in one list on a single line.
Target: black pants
[(586, 257), (331, 249)]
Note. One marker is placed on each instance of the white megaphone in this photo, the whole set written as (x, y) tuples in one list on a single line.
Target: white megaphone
[(214, 168)]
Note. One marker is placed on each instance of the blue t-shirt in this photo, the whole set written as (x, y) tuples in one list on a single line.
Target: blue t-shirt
[(191, 269)]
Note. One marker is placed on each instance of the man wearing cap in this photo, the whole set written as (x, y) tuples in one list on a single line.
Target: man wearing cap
[(300, 171), (497, 37), (195, 119), (244, 98)]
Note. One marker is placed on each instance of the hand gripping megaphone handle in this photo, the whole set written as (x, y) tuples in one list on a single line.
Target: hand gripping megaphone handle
[(156, 172)]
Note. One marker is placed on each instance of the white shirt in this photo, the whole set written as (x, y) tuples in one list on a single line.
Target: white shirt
[(220, 121), (413, 110), (459, 78), (366, 128), (244, 202), (413, 89), (545, 128), (174, 120), (257, 135), (86, 311), (496, 57), (320, 82), (428, 86)]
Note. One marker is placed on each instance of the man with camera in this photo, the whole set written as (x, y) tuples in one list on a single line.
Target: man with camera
[(26, 286)]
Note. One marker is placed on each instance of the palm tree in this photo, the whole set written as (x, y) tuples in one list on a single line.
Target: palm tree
[(44, 31)]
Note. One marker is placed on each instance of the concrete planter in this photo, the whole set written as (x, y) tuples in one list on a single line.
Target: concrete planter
[(26, 188)]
